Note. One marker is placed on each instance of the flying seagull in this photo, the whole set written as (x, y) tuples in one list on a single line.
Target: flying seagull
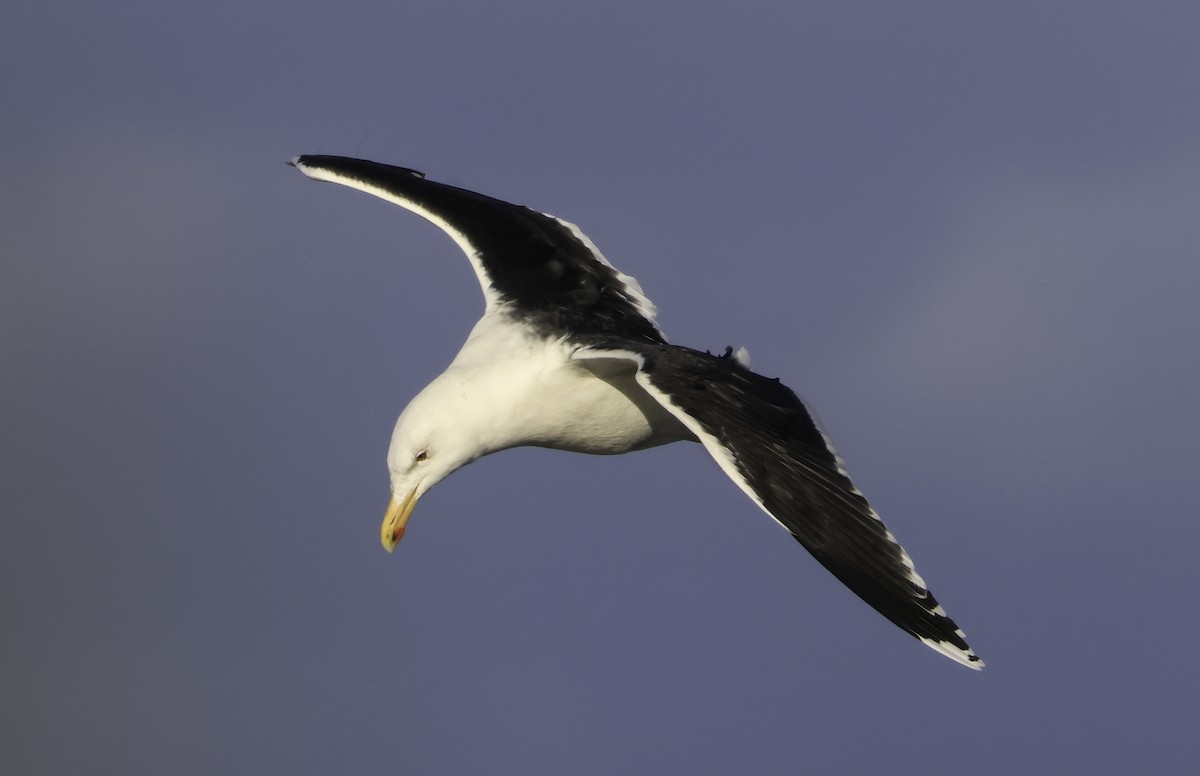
[(568, 356)]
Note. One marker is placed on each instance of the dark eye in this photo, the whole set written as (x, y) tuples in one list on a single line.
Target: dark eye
[(421, 456)]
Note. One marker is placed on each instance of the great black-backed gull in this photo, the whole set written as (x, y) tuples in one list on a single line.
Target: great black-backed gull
[(568, 356)]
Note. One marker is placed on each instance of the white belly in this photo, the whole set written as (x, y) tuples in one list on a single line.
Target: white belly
[(600, 408), (539, 396)]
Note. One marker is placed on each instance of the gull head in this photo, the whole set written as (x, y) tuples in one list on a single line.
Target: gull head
[(435, 436)]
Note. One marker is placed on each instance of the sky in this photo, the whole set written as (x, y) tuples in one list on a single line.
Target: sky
[(967, 236)]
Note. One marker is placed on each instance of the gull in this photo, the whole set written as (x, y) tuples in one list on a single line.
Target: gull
[(568, 355)]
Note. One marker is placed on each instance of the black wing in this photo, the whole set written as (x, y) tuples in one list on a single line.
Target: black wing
[(531, 265), (764, 438)]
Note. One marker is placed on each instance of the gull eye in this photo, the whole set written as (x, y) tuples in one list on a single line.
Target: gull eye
[(421, 456)]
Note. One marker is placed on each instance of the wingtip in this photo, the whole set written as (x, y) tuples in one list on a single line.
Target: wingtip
[(966, 657), (300, 163), (309, 167), (339, 169)]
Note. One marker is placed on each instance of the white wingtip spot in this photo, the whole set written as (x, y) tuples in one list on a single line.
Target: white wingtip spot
[(967, 657)]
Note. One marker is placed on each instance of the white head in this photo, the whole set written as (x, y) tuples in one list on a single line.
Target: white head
[(434, 436)]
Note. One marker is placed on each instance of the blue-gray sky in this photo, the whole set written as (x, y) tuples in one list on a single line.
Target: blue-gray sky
[(970, 238)]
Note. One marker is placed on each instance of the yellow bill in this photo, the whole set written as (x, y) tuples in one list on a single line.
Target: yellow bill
[(396, 519)]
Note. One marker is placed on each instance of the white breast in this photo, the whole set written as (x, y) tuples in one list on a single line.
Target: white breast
[(518, 390)]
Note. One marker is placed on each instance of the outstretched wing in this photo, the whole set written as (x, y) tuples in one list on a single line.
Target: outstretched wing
[(533, 266), (764, 438)]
